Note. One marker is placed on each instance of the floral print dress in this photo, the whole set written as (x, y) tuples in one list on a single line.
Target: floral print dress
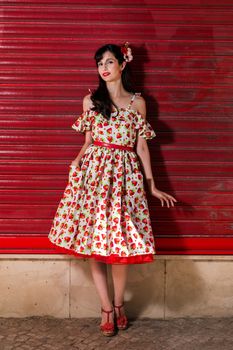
[(103, 213)]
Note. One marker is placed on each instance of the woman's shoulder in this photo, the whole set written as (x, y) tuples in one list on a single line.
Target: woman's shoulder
[(87, 102), (138, 97), (140, 103)]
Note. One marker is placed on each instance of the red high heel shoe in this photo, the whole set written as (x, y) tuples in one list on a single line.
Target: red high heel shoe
[(121, 320), (108, 328)]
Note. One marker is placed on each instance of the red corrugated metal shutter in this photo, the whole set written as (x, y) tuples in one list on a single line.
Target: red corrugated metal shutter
[(182, 62)]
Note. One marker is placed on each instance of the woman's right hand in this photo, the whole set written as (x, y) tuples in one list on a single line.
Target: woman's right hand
[(76, 163)]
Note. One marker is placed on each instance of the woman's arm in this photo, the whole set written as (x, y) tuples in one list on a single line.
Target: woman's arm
[(142, 147), (144, 156), (87, 103)]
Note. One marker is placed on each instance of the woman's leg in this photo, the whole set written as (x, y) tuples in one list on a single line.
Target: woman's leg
[(119, 277), (99, 274)]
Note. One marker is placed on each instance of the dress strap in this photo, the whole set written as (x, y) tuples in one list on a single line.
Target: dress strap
[(133, 97)]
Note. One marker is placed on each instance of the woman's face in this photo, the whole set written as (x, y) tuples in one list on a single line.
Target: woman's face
[(109, 68)]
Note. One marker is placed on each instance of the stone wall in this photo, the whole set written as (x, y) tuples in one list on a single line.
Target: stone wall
[(61, 286)]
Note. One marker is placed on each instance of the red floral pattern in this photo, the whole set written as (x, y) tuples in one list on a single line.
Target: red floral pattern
[(104, 211)]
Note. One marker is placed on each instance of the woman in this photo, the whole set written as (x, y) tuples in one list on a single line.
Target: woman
[(104, 213)]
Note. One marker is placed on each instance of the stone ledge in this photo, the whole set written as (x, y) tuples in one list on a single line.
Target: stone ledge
[(157, 257)]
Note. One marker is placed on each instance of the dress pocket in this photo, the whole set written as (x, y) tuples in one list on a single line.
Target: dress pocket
[(74, 174)]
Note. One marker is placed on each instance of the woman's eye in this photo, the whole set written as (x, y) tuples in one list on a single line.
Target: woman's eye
[(100, 64)]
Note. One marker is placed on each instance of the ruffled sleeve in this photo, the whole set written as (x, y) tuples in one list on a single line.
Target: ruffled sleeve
[(144, 128), (83, 122)]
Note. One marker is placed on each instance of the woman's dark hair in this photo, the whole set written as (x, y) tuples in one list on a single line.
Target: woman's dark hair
[(100, 97)]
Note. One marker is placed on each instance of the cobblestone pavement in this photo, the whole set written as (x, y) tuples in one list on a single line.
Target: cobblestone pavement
[(42, 333)]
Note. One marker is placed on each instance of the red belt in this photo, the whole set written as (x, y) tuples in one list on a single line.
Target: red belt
[(112, 145)]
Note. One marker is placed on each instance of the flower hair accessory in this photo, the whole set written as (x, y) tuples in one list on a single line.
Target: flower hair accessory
[(127, 52)]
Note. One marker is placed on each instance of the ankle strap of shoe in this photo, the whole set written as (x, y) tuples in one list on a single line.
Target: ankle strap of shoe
[(107, 312)]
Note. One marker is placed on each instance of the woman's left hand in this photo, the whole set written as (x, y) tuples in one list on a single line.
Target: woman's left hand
[(163, 196)]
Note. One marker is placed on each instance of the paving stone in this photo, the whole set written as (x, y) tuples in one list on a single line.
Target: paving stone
[(47, 333)]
